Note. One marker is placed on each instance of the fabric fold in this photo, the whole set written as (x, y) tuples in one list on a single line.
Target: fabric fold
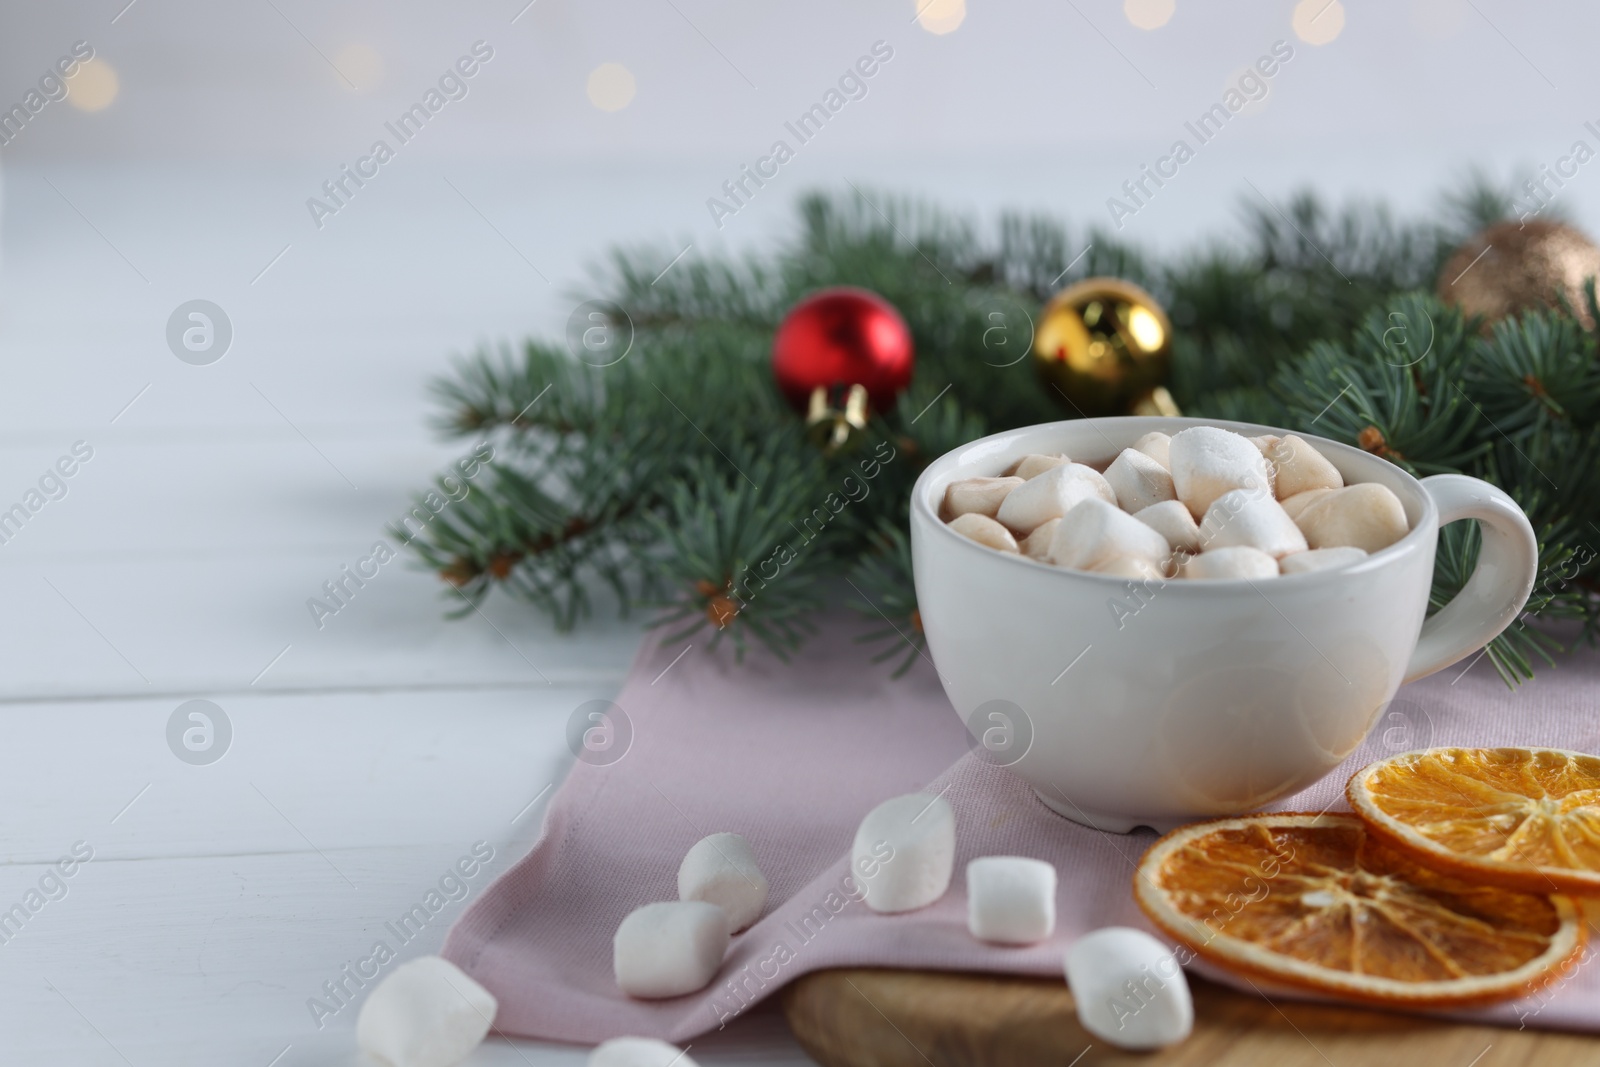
[(792, 755)]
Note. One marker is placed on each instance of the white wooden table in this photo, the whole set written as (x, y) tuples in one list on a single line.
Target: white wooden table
[(366, 757)]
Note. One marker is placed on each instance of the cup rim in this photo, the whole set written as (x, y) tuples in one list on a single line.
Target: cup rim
[(944, 467)]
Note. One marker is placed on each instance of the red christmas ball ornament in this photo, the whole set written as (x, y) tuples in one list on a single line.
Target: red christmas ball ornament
[(838, 355)]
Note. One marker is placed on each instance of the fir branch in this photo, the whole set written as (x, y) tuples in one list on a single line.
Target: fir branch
[(1512, 652), (676, 471), (662, 288), (1393, 389), (740, 561), (1534, 372), (883, 583), (494, 390)]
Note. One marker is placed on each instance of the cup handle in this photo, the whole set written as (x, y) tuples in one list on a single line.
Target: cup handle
[(1499, 586)]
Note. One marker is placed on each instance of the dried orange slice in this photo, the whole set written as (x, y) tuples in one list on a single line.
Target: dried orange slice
[(1315, 901), (1524, 818)]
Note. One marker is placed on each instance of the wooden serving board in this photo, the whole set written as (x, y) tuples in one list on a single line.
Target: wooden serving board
[(886, 1018)]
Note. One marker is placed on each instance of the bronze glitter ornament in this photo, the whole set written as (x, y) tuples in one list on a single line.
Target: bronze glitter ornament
[(1514, 267)]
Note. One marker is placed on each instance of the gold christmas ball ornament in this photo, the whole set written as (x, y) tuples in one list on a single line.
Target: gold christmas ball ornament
[(1104, 346), (1514, 267)]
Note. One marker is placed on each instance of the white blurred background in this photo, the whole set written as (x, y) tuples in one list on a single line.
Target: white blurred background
[(204, 128), (616, 119), (184, 155)]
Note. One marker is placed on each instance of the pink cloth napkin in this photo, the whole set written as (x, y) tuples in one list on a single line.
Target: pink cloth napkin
[(792, 756)]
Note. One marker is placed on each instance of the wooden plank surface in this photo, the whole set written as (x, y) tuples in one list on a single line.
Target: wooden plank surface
[(886, 1018), (377, 749)]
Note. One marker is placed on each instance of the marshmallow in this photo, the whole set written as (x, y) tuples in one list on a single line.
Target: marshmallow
[(1157, 446), (1011, 900), (638, 1052), (1129, 567), (904, 852), (427, 1013), (1367, 516), (1300, 468), (670, 948), (1207, 461), (1029, 466), (1096, 532), (1319, 559), (1051, 495), (1138, 481), (977, 496), (1297, 503), (984, 530), (1266, 443), (721, 869), (1235, 561), (1172, 520), (1251, 517), (1037, 544), (1101, 969)]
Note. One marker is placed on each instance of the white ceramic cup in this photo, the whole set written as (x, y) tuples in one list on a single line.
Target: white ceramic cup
[(1127, 704)]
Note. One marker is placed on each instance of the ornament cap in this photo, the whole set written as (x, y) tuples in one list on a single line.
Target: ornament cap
[(836, 418), (1157, 402)]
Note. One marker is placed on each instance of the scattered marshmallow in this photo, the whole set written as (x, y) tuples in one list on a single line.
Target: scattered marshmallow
[(427, 1013), (1035, 464), (1138, 481), (1172, 521), (1300, 467), (1251, 517), (638, 1052), (1320, 559), (1297, 503), (1367, 516), (1133, 567), (1011, 900), (1037, 544), (1051, 495), (1095, 532), (1207, 461), (1235, 561), (669, 948), (1129, 989), (977, 496), (984, 530), (904, 852), (721, 869), (1157, 446)]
